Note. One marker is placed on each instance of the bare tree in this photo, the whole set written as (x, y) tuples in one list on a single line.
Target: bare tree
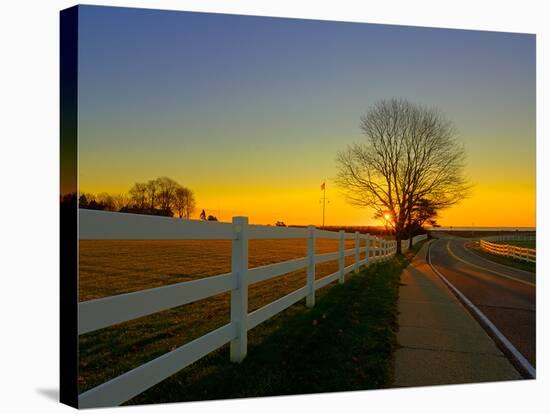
[(120, 201), (85, 199), (107, 201), (184, 202), (138, 195), (166, 192), (152, 193), (410, 154)]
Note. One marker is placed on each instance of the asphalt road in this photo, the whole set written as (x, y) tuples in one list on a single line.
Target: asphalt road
[(504, 294)]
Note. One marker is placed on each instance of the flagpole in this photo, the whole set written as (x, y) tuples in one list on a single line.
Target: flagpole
[(324, 198)]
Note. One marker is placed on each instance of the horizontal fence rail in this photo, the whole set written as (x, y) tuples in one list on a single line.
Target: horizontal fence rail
[(416, 239), (497, 245), (132, 383), (102, 313), (103, 225)]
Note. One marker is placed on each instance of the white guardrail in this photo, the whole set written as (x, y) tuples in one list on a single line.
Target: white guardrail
[(101, 313), (496, 245)]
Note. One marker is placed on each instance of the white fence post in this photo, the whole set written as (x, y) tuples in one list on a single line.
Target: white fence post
[(367, 250), (357, 246), (239, 295), (341, 257), (310, 298)]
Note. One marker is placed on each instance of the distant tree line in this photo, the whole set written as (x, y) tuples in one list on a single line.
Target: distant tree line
[(161, 197), (372, 230)]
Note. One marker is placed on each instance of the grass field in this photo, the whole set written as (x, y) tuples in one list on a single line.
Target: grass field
[(113, 267), (346, 342), (529, 244)]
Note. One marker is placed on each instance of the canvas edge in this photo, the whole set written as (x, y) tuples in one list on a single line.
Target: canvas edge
[(68, 283)]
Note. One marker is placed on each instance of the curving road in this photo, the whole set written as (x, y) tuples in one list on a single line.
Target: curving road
[(505, 295)]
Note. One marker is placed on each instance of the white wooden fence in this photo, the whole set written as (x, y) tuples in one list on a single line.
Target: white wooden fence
[(497, 245), (416, 239), (101, 313)]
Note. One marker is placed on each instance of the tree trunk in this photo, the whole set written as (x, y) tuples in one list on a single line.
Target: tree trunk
[(398, 247), (410, 228)]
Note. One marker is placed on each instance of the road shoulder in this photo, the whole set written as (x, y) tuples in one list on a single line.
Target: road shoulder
[(439, 341)]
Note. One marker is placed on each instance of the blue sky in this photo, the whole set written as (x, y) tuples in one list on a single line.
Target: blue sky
[(238, 104)]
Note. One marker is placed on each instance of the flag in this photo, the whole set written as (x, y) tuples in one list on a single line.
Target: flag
[(323, 186)]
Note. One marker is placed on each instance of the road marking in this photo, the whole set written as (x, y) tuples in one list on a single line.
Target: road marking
[(487, 270), (520, 359)]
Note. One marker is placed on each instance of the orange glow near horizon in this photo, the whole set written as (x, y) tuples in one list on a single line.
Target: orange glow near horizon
[(492, 204), (253, 128), (279, 181)]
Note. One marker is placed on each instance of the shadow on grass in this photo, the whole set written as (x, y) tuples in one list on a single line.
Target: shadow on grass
[(344, 343)]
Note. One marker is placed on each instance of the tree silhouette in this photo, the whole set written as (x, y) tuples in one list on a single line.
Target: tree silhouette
[(161, 196), (138, 195), (83, 201), (166, 192), (410, 153), (107, 201), (152, 189), (423, 212), (120, 201), (184, 202)]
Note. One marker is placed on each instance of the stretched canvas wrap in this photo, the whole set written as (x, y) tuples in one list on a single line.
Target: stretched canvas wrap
[(256, 206)]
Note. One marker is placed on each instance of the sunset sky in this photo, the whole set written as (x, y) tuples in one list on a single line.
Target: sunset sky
[(250, 112)]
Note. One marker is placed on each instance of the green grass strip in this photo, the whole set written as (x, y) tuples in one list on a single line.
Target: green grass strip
[(346, 342)]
